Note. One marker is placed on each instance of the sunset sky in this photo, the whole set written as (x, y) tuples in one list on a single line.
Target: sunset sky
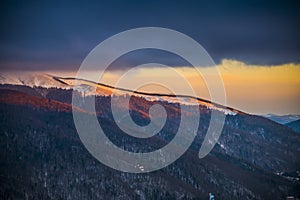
[(255, 44), (255, 89)]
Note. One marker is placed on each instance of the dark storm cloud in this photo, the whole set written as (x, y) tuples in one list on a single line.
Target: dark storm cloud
[(59, 34)]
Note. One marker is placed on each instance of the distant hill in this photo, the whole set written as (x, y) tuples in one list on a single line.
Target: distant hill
[(282, 119), (295, 125)]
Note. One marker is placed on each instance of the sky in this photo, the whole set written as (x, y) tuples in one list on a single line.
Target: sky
[(59, 34), (257, 42), (255, 89)]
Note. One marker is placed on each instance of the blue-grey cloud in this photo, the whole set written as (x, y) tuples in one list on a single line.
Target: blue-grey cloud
[(59, 34)]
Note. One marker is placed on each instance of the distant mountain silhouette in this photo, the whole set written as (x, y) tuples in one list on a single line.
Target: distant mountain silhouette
[(295, 125), (282, 119)]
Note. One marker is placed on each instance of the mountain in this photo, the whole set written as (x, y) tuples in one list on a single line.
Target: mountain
[(282, 119), (86, 88), (42, 156), (295, 125)]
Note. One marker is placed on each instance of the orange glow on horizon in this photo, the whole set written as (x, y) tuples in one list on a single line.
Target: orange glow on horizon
[(250, 88)]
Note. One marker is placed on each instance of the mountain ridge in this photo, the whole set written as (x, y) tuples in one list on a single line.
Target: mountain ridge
[(200, 100), (91, 88)]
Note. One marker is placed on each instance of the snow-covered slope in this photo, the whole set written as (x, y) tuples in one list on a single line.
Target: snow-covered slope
[(91, 88), (32, 79)]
